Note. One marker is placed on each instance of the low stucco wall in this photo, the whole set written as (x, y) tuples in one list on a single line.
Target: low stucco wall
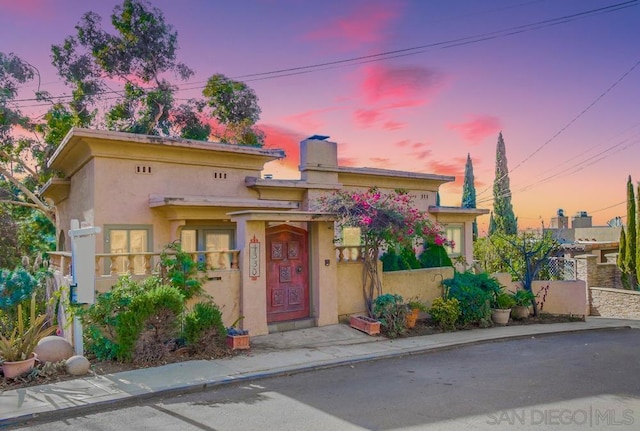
[(562, 297), (423, 284), (617, 303), (223, 287)]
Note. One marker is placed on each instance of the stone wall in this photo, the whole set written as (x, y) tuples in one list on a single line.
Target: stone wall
[(616, 303), (596, 274)]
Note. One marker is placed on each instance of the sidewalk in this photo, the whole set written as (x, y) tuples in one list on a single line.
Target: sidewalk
[(270, 355)]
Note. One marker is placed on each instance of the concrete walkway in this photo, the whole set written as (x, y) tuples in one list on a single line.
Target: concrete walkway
[(270, 355)]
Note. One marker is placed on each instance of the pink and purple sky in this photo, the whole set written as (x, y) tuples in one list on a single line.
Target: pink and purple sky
[(559, 78)]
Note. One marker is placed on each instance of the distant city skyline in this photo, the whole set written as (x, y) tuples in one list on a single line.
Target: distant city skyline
[(414, 85)]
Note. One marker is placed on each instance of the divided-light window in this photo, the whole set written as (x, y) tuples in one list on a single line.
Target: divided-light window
[(215, 241), (128, 239)]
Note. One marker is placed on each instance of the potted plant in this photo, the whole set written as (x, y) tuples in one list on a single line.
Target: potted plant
[(502, 308), (522, 299), (415, 307), (17, 349), (237, 339)]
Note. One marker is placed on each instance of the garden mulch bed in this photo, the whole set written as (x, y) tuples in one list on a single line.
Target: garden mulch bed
[(55, 372)]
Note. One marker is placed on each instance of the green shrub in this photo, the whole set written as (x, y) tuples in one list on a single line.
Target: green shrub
[(391, 311), (181, 271), (445, 312), (113, 324), (475, 303), (204, 317), (392, 261), (434, 256), (15, 287), (481, 287), (155, 310)]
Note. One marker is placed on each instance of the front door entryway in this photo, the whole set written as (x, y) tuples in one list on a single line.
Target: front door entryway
[(287, 274)]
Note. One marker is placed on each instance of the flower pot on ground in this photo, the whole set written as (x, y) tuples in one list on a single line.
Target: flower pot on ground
[(365, 324), (500, 316), (415, 307), (237, 339), (412, 317), (522, 299), (20, 344), (502, 308), (13, 369)]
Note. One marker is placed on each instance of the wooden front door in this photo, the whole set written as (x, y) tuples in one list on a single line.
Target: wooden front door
[(287, 274)]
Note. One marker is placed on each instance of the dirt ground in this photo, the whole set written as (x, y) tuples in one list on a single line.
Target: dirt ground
[(52, 373)]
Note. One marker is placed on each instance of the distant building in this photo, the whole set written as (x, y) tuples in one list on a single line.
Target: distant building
[(581, 237)]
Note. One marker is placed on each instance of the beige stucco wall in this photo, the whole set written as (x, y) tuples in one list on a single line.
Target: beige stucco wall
[(616, 303), (562, 297), (423, 284)]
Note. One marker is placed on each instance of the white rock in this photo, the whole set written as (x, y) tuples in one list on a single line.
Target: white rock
[(78, 365), (54, 349)]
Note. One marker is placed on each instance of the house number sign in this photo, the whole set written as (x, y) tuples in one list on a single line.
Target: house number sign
[(254, 258)]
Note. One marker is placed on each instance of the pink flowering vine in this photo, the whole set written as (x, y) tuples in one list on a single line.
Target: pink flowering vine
[(385, 220)]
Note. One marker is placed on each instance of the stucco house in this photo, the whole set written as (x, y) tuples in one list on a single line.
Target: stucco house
[(272, 258)]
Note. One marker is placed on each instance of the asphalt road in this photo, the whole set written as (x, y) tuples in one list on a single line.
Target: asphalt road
[(570, 381)]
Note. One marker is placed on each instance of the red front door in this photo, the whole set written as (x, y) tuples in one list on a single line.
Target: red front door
[(287, 274)]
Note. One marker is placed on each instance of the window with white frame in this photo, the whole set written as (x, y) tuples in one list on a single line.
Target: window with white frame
[(129, 239), (455, 233), (215, 242)]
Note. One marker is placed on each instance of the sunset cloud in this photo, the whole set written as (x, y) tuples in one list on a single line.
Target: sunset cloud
[(367, 117), (39, 8), (287, 140), (477, 128), (393, 125), (442, 168), (401, 85), (380, 162), (385, 90), (347, 161), (310, 121), (365, 24)]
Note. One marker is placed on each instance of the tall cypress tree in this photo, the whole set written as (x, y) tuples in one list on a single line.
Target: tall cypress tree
[(504, 218), (622, 259), (630, 255), (469, 192)]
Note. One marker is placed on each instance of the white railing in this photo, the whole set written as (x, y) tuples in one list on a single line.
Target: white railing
[(350, 253), (144, 263)]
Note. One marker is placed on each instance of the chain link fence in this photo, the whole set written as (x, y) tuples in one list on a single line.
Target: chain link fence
[(558, 268)]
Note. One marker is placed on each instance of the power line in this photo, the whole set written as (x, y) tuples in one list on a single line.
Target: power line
[(571, 122), (279, 73)]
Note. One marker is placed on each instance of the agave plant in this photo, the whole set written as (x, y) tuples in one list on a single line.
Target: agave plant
[(23, 339)]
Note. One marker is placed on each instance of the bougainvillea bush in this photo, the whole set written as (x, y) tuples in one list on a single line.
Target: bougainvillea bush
[(387, 220)]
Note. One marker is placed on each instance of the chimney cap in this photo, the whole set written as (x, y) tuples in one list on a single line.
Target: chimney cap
[(318, 137)]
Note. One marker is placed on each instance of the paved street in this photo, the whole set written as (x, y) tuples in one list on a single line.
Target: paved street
[(571, 381)]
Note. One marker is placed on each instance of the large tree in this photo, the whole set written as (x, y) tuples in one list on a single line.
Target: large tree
[(504, 219), (469, 192), (119, 80)]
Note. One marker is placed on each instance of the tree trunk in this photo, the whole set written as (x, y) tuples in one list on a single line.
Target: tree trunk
[(371, 285)]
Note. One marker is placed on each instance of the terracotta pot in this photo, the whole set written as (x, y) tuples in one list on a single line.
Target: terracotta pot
[(12, 370), (365, 324), (412, 318), (520, 312), (238, 342), (500, 316)]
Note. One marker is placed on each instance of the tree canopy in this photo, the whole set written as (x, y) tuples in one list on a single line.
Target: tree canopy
[(123, 79)]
